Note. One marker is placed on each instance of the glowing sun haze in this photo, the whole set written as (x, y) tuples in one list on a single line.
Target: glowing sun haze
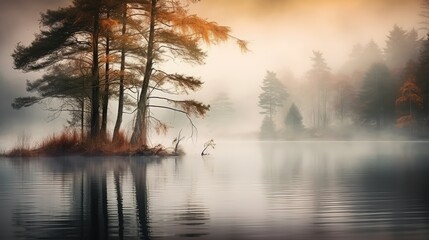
[(283, 33), (293, 28)]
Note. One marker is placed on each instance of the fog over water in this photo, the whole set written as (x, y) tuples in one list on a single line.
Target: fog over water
[(244, 190), (282, 35), (320, 132)]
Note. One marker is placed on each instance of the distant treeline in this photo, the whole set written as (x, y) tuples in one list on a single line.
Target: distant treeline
[(376, 89)]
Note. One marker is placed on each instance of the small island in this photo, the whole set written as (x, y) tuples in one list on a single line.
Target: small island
[(94, 52)]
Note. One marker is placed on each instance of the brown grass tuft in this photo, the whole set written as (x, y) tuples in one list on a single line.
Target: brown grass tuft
[(20, 152), (71, 143), (67, 142)]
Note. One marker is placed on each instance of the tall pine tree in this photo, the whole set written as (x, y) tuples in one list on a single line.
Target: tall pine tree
[(401, 47), (377, 97), (273, 95), (422, 76), (271, 99)]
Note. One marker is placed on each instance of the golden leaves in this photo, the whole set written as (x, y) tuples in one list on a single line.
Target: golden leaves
[(110, 58), (190, 24), (185, 46), (401, 100), (107, 24), (243, 45), (411, 93)]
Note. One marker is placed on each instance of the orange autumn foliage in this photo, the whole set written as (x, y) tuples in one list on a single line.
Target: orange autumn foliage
[(411, 95)]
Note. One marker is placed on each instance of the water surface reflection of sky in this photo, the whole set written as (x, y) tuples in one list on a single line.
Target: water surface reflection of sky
[(253, 190)]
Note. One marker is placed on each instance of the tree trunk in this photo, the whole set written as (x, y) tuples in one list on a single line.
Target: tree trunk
[(105, 99), (82, 117), (121, 78), (82, 111), (139, 136), (95, 103)]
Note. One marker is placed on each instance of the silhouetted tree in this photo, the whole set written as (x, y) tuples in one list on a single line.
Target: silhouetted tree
[(65, 34), (107, 26), (422, 74), (62, 37), (401, 47), (68, 85), (377, 97), (121, 91)]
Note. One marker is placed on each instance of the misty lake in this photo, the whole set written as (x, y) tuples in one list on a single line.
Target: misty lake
[(244, 190)]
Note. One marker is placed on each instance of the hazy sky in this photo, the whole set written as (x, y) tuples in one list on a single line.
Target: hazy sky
[(281, 33), (19, 21), (287, 31)]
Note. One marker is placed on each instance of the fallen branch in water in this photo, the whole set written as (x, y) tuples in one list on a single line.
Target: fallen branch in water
[(208, 144)]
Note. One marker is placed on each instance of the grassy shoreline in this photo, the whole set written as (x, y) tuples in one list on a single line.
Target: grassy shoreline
[(70, 143)]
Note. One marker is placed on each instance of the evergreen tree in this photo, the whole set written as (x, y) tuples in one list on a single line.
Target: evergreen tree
[(63, 36), (414, 45), (66, 83), (293, 120), (377, 97), (66, 33), (422, 74), (271, 99), (273, 95), (70, 37), (401, 47), (63, 48)]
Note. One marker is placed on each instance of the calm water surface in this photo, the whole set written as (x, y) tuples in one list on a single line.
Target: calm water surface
[(252, 190)]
